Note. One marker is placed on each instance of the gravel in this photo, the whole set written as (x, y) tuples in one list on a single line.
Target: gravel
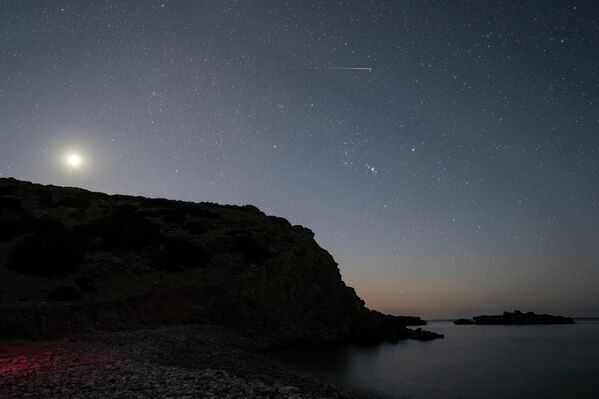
[(167, 362)]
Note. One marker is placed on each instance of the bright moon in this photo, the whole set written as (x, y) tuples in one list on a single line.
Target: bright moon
[(74, 160)]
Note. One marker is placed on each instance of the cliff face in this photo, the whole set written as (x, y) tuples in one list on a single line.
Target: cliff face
[(71, 259)]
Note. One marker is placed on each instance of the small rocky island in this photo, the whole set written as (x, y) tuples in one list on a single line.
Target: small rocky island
[(463, 322), (198, 290), (516, 318)]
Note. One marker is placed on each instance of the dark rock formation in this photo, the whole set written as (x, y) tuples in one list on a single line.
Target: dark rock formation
[(463, 322), (72, 260), (65, 293), (518, 318)]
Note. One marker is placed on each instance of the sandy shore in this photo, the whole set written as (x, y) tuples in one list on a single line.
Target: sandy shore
[(167, 362)]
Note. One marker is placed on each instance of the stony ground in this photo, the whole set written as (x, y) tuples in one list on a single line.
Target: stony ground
[(167, 362)]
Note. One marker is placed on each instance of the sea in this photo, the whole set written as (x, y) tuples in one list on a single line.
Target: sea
[(544, 362)]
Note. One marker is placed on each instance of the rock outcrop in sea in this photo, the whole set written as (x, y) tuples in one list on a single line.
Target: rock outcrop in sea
[(519, 318), (73, 260), (463, 322)]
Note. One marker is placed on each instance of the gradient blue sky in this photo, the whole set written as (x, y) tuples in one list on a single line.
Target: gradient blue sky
[(459, 176)]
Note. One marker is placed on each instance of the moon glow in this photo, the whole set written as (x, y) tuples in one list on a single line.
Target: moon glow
[(73, 160)]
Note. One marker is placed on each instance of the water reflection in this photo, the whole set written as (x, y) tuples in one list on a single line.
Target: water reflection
[(471, 362)]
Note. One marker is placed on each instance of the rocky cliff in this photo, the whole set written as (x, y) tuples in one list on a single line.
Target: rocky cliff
[(72, 260)]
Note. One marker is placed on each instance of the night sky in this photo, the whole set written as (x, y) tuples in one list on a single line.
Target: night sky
[(446, 152)]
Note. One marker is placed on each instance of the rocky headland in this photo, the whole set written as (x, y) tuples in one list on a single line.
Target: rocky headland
[(77, 262), (73, 260)]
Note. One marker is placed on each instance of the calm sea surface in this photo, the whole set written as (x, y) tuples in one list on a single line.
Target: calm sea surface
[(560, 361)]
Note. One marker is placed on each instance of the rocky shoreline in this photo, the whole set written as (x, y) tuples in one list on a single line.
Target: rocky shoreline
[(194, 361)]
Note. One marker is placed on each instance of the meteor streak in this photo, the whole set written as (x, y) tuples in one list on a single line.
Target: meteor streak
[(348, 68)]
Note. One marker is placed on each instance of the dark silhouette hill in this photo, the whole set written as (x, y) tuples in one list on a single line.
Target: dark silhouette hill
[(73, 260)]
